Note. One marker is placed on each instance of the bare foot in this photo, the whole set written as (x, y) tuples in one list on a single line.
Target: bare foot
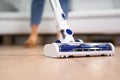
[(32, 40)]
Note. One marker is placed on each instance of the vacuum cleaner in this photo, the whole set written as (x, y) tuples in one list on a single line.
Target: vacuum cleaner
[(67, 46)]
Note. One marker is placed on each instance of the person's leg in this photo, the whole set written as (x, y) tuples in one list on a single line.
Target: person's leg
[(36, 14)]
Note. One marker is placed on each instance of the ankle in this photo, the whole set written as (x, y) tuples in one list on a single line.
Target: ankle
[(58, 36), (34, 31)]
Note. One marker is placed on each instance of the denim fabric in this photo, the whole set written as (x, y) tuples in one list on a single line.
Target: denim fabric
[(37, 10)]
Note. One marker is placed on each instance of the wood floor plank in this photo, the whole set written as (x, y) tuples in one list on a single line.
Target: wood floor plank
[(19, 63)]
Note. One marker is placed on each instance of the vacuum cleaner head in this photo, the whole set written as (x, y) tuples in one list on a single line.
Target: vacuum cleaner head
[(72, 49), (67, 46)]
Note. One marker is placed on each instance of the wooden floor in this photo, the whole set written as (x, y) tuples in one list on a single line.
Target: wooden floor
[(19, 63)]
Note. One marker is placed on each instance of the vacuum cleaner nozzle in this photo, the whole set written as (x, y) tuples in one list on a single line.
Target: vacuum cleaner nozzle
[(67, 46), (78, 49)]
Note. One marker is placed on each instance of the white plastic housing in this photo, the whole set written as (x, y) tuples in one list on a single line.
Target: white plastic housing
[(52, 50)]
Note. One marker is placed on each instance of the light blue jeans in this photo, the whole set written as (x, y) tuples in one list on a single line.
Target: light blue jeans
[(37, 10)]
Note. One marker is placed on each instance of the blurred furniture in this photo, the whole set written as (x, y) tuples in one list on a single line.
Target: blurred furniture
[(100, 17), (86, 17)]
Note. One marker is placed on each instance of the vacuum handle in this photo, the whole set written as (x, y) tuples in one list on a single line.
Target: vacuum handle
[(66, 34), (56, 4)]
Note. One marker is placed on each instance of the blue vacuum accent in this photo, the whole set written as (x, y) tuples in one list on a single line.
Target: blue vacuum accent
[(84, 47), (58, 41), (68, 31), (77, 40), (67, 48), (101, 46), (64, 16)]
